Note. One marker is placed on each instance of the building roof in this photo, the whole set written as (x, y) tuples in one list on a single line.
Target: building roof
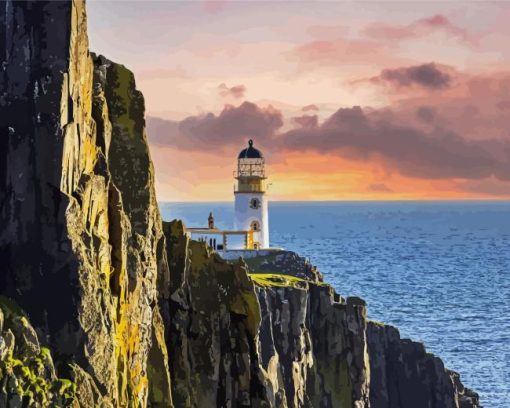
[(250, 152)]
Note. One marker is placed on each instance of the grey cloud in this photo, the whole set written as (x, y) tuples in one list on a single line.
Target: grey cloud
[(439, 154), (232, 126), (426, 114), (428, 76), (352, 133)]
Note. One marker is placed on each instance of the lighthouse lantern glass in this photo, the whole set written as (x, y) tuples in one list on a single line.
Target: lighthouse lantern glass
[(250, 168)]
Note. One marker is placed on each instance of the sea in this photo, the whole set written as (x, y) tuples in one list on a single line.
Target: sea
[(438, 270)]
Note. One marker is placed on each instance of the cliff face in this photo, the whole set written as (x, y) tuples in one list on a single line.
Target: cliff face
[(94, 289), (404, 374), (259, 339), (212, 333), (313, 346), (240, 345), (81, 245)]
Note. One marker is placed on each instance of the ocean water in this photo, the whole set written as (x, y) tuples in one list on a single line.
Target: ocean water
[(440, 271)]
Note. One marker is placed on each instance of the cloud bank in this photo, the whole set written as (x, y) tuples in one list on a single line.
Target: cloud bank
[(352, 133), (209, 131)]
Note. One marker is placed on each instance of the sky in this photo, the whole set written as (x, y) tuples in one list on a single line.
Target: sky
[(347, 100)]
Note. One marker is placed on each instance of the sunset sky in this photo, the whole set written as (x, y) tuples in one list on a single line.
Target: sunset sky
[(347, 100)]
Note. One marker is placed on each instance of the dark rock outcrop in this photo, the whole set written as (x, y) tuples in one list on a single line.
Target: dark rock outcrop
[(27, 373), (405, 375), (237, 344), (313, 347), (308, 348), (81, 245), (213, 328)]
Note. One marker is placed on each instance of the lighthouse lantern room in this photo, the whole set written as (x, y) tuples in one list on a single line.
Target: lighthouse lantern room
[(251, 212)]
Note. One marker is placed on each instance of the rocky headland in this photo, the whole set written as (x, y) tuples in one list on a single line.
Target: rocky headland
[(104, 305)]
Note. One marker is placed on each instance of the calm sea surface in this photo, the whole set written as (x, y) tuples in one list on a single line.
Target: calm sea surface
[(440, 271)]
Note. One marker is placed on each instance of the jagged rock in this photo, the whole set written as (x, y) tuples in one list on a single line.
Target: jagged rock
[(87, 394), (304, 346), (405, 375), (466, 398), (27, 339), (27, 373), (77, 194), (313, 348), (212, 333), (312, 344)]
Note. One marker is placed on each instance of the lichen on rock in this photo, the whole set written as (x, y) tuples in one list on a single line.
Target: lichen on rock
[(77, 193)]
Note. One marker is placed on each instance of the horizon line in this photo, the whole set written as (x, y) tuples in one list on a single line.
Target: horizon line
[(346, 200)]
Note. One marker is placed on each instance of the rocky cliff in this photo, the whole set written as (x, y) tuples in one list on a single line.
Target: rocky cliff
[(403, 374), (215, 318), (313, 348), (104, 305), (81, 245)]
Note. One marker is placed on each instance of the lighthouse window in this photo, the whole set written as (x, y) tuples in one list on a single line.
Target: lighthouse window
[(255, 226), (255, 203)]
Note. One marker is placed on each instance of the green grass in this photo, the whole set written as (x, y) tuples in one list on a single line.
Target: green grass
[(267, 280)]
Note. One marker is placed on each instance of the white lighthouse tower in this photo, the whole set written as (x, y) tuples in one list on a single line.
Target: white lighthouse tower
[(250, 196)]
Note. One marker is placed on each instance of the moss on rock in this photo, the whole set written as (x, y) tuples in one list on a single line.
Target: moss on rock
[(27, 373)]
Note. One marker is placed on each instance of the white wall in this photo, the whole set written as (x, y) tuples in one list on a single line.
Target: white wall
[(244, 215)]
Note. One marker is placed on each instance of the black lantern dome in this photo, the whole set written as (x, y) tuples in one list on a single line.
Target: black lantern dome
[(250, 152)]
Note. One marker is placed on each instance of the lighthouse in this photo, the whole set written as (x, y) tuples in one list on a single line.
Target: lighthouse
[(250, 196)]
